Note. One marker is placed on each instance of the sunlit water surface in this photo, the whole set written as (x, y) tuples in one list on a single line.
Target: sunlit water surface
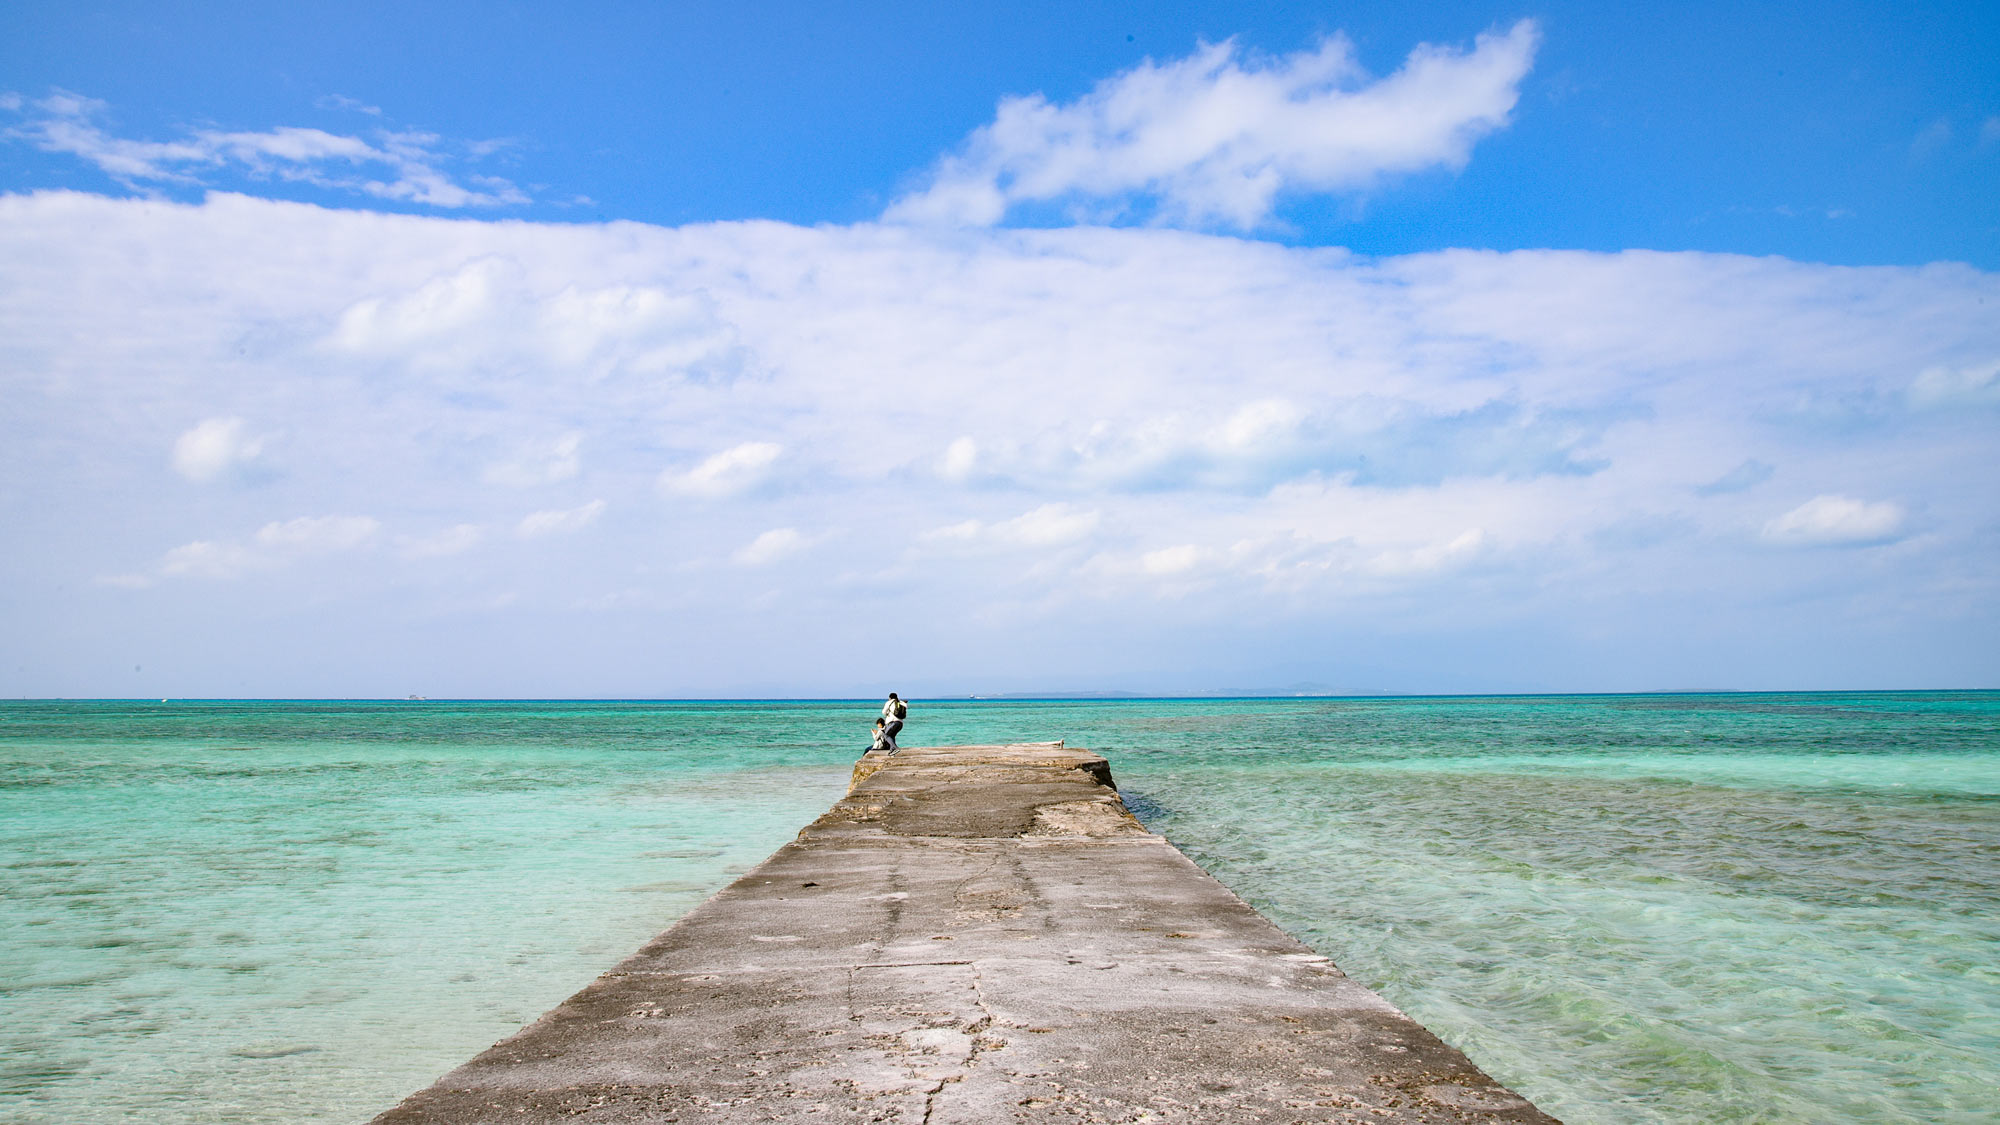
[(1641, 908)]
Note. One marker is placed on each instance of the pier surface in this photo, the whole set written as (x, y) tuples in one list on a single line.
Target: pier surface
[(974, 934)]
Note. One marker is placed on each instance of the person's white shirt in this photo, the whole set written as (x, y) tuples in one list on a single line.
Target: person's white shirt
[(889, 710)]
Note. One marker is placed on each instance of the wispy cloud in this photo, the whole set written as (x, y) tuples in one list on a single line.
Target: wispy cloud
[(1218, 137), (734, 470), (317, 534), (1177, 559), (275, 544), (1931, 138), (214, 447), (1049, 525), (1252, 446), (489, 315), (539, 463), (1976, 384), (1749, 474), (559, 521), (1836, 521), (770, 546), (407, 166), (343, 102), (454, 540)]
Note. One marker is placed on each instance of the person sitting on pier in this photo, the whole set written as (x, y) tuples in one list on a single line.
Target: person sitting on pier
[(892, 714), (882, 741)]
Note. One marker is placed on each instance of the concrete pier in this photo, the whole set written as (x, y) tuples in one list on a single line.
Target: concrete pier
[(974, 934)]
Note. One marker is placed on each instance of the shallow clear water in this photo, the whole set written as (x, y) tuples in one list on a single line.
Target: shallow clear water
[(1640, 908)]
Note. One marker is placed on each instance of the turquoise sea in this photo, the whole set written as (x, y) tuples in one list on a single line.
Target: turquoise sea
[(1687, 908)]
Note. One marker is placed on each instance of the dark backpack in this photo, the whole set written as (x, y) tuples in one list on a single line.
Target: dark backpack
[(902, 709)]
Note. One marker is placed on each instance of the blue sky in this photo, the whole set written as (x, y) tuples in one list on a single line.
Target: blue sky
[(648, 350), (1846, 133)]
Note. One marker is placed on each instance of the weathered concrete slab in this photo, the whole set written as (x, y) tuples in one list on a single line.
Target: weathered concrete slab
[(975, 934)]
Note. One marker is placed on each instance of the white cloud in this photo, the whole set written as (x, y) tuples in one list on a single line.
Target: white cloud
[(1171, 560), (1338, 557), (1292, 440), (1260, 425), (214, 447), (454, 540), (1973, 385), (343, 102), (770, 546), (1250, 447), (487, 316), (1747, 475), (642, 329), (396, 165), (206, 559), (734, 470), (1050, 525), (1931, 138), (315, 534), (539, 463), (1431, 556), (273, 545), (441, 308), (960, 458), (1829, 520), (559, 522), (962, 531), (1216, 138)]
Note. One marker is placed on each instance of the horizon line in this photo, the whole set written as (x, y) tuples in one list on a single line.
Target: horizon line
[(999, 697)]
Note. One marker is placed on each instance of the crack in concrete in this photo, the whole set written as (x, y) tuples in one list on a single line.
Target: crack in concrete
[(930, 1097), (986, 1019), (972, 1031)]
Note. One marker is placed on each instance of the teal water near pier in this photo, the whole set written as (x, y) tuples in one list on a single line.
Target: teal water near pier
[(1631, 908)]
